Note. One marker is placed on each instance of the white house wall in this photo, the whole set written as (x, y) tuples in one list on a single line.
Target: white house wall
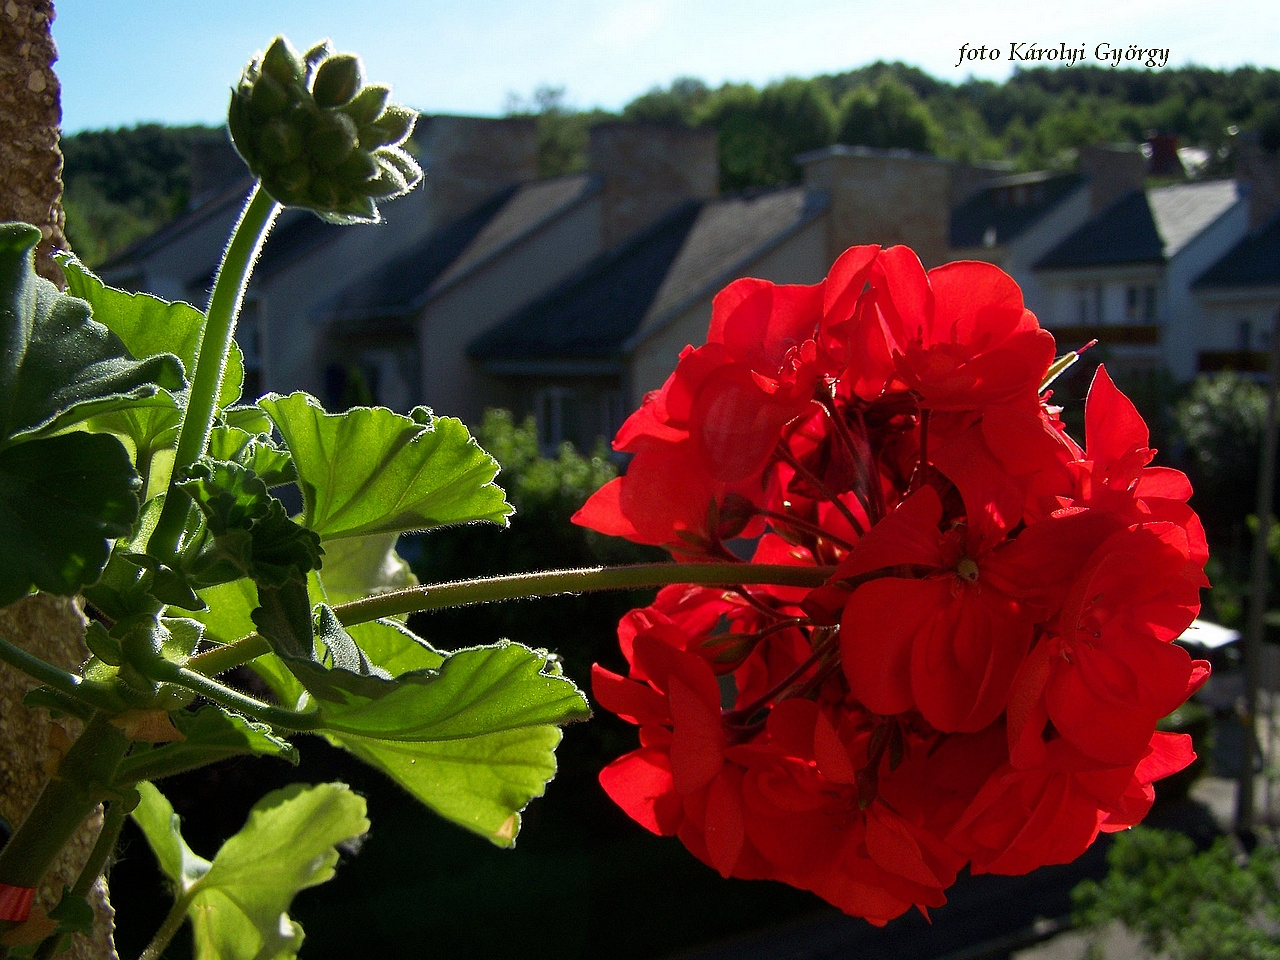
[(292, 340), (1224, 312), (1184, 330), (451, 384), (1037, 240)]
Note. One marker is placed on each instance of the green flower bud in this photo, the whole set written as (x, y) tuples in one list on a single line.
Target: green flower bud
[(280, 142), (281, 61), (403, 164), (316, 54), (292, 178), (332, 140), (337, 80), (360, 167), (367, 105), (316, 137), (389, 130), (268, 97)]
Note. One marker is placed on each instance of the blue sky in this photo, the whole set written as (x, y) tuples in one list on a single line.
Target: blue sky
[(128, 61)]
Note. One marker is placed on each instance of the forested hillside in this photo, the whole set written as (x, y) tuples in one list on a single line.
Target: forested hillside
[(123, 183)]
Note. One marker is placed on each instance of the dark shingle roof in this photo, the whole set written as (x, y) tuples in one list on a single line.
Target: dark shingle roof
[(400, 287), (1123, 233), (590, 315), (394, 288), (634, 289), (1007, 206), (1149, 226), (1253, 262)]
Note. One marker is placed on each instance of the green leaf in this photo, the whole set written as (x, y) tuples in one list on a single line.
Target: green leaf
[(257, 452), (58, 366), (288, 844), (247, 417), (62, 500), (476, 691), (229, 607), (392, 646), (160, 825), (371, 471), (149, 326), (211, 734), (481, 783), (357, 567), (252, 534), (238, 904)]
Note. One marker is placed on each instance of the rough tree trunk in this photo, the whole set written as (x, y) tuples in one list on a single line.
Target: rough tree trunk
[(50, 627)]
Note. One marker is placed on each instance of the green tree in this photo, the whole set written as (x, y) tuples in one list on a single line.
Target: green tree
[(889, 114)]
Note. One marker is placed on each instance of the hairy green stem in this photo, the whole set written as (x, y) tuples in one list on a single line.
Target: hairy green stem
[(173, 922), (233, 699), (81, 782), (521, 586), (88, 691), (211, 361), (112, 822)]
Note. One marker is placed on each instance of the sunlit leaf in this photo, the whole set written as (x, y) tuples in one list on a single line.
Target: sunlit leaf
[(476, 691), (160, 825), (211, 734), (238, 902), (481, 783), (59, 366), (149, 326), (370, 471)]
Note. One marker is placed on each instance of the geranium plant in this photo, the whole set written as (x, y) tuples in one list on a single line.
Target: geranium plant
[(912, 625), (978, 679)]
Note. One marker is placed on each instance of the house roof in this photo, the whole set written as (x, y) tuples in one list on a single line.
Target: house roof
[(1144, 226), (631, 291), (399, 287), (1007, 206), (1253, 262), (224, 203)]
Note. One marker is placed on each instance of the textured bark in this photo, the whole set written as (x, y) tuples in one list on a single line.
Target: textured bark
[(50, 627), (31, 112)]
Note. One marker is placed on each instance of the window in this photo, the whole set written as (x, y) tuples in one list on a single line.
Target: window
[(1149, 303), (1131, 304), (1244, 336)]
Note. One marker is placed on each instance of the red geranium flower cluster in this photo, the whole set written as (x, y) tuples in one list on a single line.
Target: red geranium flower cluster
[(978, 677)]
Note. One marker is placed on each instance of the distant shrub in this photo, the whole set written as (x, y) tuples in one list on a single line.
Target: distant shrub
[(1215, 905)]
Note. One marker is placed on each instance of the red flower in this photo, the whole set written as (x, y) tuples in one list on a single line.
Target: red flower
[(959, 335), (979, 681)]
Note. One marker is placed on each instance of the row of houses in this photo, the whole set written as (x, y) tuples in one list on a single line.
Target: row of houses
[(571, 297)]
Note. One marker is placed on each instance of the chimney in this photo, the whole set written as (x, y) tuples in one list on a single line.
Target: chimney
[(648, 169), (1161, 150), (968, 178), (1113, 169), (885, 197), (469, 159), (1258, 170), (214, 165)]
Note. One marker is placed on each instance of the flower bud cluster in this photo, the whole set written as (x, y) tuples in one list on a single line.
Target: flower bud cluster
[(978, 681), (317, 136)]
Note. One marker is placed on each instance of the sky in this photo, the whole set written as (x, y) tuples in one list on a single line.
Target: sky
[(123, 62)]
